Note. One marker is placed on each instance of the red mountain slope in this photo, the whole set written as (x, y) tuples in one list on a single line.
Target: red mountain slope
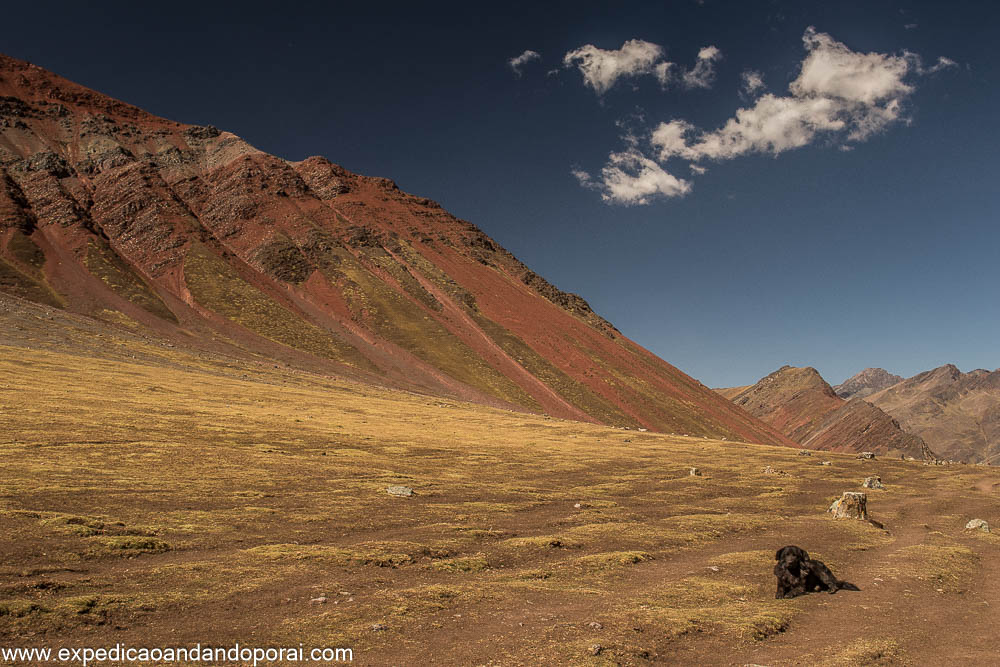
[(799, 403), (109, 211)]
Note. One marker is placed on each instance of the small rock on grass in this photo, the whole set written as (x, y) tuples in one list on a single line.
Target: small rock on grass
[(978, 524), (866, 455), (851, 505), (873, 482), (319, 600), (594, 625), (399, 491), (694, 472), (826, 463), (596, 649), (379, 627), (804, 452)]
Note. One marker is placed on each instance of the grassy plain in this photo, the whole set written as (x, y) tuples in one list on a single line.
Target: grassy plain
[(158, 496)]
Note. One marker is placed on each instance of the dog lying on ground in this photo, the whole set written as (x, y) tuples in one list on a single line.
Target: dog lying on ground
[(798, 574)]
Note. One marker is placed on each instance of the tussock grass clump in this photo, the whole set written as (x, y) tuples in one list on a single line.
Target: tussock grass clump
[(946, 567), (131, 545), (476, 563), (540, 542), (21, 608), (710, 605), (613, 559), (866, 652)]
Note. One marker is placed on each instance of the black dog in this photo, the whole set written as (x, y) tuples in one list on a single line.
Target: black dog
[(798, 574)]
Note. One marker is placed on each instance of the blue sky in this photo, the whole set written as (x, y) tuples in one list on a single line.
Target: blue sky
[(789, 248)]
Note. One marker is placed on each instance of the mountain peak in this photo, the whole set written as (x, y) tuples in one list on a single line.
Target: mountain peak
[(866, 383)]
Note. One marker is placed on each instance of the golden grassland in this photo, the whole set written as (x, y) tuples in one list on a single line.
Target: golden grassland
[(177, 498)]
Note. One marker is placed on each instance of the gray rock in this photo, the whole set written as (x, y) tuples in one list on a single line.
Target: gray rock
[(596, 649), (399, 491), (978, 524), (379, 627), (594, 625), (851, 505), (873, 482), (866, 455), (694, 472), (803, 452), (826, 463), (319, 600)]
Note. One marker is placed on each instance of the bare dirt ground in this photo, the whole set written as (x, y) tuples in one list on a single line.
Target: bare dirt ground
[(155, 497)]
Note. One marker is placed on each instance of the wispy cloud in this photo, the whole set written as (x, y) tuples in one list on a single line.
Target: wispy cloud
[(517, 62), (838, 93), (751, 82), (703, 72), (603, 68)]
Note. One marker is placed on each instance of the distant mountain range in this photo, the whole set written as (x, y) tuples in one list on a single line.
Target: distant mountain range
[(799, 403), (957, 414), (940, 413), (191, 234)]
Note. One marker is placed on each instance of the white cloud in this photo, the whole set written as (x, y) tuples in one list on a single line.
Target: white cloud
[(670, 138), (602, 68), (839, 93), (517, 62), (703, 72), (751, 82), (630, 178), (664, 72)]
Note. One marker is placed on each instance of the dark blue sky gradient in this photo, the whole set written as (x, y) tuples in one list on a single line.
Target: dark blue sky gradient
[(887, 255)]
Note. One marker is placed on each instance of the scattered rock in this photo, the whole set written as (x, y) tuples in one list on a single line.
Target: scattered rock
[(978, 524), (851, 505), (319, 600), (594, 625), (873, 482), (379, 627), (694, 472), (804, 452), (596, 649), (399, 491), (866, 455)]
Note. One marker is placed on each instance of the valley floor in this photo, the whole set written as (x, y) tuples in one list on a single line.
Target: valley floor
[(153, 496)]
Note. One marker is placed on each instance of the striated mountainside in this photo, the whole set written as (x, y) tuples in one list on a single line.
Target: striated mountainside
[(190, 233), (956, 413), (799, 403), (866, 383)]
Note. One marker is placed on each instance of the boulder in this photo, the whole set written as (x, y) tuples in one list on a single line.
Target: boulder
[(873, 482), (978, 524), (851, 505), (866, 455), (694, 472), (399, 491)]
